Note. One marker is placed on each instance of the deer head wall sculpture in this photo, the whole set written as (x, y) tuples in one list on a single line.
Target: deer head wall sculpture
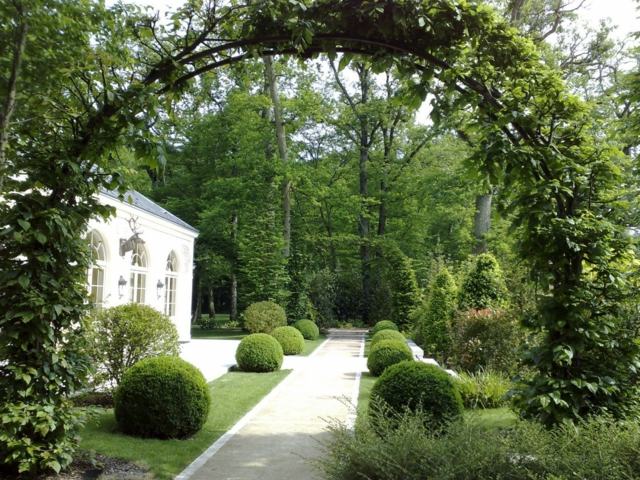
[(128, 245)]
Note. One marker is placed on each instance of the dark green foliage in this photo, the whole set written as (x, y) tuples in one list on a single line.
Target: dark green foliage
[(162, 397), (290, 339), (387, 335), (560, 178), (405, 295), (348, 296), (483, 389), (406, 449), (383, 325), (208, 322), (121, 336), (262, 265), (308, 329), (259, 352), (484, 286), (433, 320), (263, 317), (416, 386), (386, 353), (486, 339), (322, 293)]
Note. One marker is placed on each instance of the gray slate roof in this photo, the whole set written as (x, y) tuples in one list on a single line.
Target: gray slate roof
[(143, 203)]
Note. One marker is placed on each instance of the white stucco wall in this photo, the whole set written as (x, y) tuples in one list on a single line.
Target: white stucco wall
[(160, 237)]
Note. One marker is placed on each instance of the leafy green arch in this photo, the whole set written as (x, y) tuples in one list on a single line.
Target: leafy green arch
[(537, 139)]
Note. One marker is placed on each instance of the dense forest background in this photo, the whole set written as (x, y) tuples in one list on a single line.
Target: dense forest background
[(316, 186)]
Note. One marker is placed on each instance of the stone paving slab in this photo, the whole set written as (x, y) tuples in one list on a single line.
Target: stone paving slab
[(281, 439)]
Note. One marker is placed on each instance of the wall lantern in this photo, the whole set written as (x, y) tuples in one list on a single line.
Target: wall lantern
[(121, 284), (159, 287)]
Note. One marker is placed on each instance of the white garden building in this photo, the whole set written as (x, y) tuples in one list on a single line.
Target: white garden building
[(143, 254)]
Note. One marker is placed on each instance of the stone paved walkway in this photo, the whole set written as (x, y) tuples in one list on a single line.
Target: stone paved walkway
[(283, 434)]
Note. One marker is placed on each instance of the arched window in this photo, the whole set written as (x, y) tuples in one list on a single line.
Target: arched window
[(95, 275), (138, 278), (170, 282)]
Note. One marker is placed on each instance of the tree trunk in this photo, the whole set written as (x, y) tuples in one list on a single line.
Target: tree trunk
[(363, 221), (198, 310), (233, 303), (515, 11), (9, 103), (482, 222), (281, 138), (212, 303)]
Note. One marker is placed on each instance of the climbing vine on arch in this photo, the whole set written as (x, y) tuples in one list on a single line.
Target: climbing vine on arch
[(110, 77)]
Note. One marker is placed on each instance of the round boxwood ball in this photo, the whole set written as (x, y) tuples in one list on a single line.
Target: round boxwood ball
[(290, 339), (387, 335), (308, 329), (418, 386), (259, 352), (383, 325), (386, 353), (162, 397), (263, 317)]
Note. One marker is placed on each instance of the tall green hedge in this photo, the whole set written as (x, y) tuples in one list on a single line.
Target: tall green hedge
[(433, 320)]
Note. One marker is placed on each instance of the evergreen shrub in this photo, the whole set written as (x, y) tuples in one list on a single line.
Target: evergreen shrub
[(418, 387), (406, 449), (433, 320), (386, 353), (290, 339), (263, 317), (162, 397), (387, 335), (308, 329), (259, 352), (484, 285), (383, 325), (118, 337)]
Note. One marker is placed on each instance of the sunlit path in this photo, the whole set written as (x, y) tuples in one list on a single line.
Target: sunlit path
[(283, 434)]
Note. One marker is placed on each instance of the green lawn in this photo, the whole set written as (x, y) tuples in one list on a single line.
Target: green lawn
[(232, 395), (366, 383), (218, 333), (491, 418)]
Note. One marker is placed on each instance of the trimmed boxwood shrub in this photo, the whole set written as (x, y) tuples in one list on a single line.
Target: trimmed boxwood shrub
[(386, 353), (290, 339), (259, 352), (417, 386), (308, 329), (263, 317), (383, 325), (387, 335), (162, 397)]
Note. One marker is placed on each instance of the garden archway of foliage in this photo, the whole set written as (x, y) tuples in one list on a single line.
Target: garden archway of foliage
[(537, 141)]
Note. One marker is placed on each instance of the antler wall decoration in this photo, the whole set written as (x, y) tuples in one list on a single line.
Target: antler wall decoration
[(128, 245)]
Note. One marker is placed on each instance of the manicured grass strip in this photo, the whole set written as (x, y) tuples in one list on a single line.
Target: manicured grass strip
[(311, 345), (232, 396), (366, 383), (219, 333), (491, 418)]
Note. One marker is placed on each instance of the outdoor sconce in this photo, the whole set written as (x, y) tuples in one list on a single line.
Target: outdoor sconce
[(121, 284), (159, 287)]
